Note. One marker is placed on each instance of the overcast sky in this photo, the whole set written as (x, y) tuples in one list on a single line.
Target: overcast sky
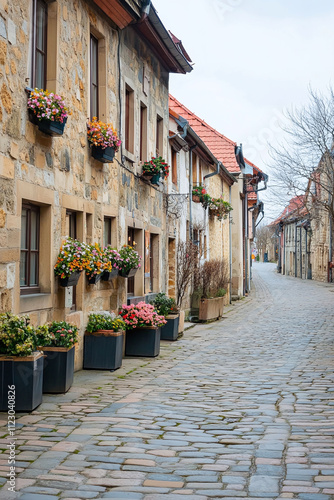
[(253, 59)]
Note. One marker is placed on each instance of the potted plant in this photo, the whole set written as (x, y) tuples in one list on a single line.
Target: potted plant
[(57, 341), (70, 262), (21, 365), (166, 307), (210, 284), (93, 264), (103, 341), (103, 140), (155, 168), (129, 262), (48, 111), (143, 330), (219, 208), (110, 263)]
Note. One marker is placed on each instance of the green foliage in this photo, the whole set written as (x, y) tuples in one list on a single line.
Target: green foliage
[(164, 305), (17, 337), (104, 321), (57, 334)]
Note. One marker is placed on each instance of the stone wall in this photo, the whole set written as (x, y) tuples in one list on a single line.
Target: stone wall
[(59, 174)]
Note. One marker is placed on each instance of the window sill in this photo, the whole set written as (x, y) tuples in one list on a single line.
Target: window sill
[(35, 302)]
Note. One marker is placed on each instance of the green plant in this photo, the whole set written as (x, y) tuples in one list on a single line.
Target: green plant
[(220, 208), (110, 259), (104, 321), (164, 305), (102, 134), (73, 256), (93, 264), (46, 105), (201, 192), (57, 334), (156, 165), (129, 258), (17, 337)]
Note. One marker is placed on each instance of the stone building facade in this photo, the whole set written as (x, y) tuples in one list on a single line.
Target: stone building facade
[(52, 185)]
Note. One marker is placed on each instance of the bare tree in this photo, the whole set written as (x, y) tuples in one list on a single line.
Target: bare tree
[(264, 239), (304, 163), (187, 258)]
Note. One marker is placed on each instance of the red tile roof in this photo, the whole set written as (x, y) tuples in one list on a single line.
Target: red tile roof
[(252, 195), (222, 147), (295, 207)]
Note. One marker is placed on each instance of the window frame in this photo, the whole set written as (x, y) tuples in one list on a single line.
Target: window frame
[(107, 219), (94, 65), (35, 49), (159, 136), (27, 288)]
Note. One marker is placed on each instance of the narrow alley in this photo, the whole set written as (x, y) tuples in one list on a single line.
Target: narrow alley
[(239, 408)]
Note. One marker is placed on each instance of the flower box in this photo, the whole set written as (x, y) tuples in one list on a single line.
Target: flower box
[(103, 350), (58, 369), (93, 278), (147, 176), (71, 280), (143, 342), (109, 275), (127, 274), (26, 374), (104, 155), (170, 330), (49, 127), (211, 309)]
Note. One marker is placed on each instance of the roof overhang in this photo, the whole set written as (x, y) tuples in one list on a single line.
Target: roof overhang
[(121, 12), (152, 29)]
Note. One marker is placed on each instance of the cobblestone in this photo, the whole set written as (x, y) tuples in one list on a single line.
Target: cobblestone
[(241, 408)]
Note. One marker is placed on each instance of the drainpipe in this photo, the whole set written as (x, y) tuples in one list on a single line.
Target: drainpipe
[(306, 255), (284, 251), (213, 173), (295, 249), (330, 249), (300, 253), (246, 241), (190, 191), (230, 236)]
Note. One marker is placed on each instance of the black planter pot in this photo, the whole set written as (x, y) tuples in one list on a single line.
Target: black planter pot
[(93, 279), (109, 275), (105, 155), (103, 350), (170, 330), (49, 127), (71, 280), (58, 369), (128, 274), (26, 373), (143, 342)]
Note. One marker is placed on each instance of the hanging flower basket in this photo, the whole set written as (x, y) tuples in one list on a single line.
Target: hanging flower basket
[(105, 155), (71, 280), (47, 111), (103, 140)]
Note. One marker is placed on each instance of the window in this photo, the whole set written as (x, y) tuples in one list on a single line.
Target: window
[(129, 119), (159, 136), (39, 43), (174, 166), (107, 231), (131, 281), (195, 178), (29, 261), (143, 132), (94, 77)]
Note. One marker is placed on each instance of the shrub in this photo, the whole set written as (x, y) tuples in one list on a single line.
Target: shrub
[(211, 279), (164, 305), (104, 321), (17, 337), (57, 334)]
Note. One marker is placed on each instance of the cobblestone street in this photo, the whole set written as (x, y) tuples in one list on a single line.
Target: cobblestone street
[(239, 408)]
